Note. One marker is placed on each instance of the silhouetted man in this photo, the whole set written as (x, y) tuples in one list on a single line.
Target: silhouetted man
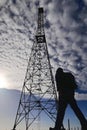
[(66, 86)]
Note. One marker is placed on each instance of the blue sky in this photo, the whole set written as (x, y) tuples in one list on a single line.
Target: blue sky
[(66, 35), (9, 100)]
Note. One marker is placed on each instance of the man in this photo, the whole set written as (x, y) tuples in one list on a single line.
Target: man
[(66, 86)]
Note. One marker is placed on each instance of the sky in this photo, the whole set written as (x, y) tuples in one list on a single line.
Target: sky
[(66, 36), (8, 109)]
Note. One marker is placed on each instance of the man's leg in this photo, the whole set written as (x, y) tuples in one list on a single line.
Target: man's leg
[(60, 113), (79, 114), (62, 104)]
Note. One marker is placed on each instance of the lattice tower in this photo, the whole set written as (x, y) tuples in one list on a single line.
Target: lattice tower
[(38, 93)]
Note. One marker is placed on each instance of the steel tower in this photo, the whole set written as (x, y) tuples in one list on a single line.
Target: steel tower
[(38, 93)]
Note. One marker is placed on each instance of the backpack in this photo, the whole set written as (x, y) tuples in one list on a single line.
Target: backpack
[(65, 81), (69, 81)]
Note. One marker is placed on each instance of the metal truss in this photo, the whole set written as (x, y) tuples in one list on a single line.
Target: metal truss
[(38, 92)]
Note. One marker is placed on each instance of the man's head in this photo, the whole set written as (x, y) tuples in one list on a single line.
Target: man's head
[(59, 70)]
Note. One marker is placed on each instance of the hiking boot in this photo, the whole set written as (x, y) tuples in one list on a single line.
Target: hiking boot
[(63, 129), (52, 128), (84, 127), (56, 128)]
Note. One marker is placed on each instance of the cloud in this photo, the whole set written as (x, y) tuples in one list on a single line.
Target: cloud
[(81, 96), (67, 18), (2, 3), (65, 30)]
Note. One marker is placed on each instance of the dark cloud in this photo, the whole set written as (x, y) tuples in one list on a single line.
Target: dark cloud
[(72, 31), (14, 1)]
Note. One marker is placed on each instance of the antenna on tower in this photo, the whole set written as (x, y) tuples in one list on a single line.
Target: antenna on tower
[(38, 93), (39, 3)]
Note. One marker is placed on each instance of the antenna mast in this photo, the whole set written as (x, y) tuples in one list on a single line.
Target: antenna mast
[(38, 93)]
